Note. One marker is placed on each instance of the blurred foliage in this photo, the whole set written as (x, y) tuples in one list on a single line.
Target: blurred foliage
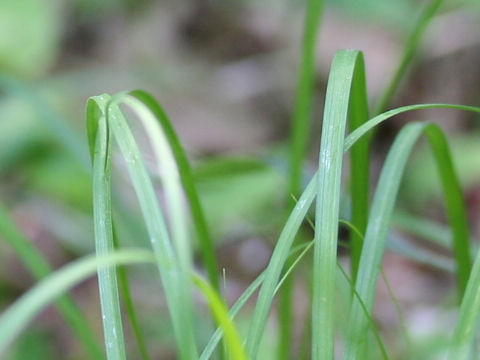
[(22, 138), (73, 187), (238, 191), (421, 183), (30, 32), (396, 13), (33, 344)]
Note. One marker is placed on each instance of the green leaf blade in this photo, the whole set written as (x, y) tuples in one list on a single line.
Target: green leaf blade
[(40, 268), (328, 200), (102, 215), (15, 318), (380, 218)]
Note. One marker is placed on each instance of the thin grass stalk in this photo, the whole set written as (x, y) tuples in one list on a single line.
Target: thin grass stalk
[(241, 301), (409, 52), (274, 269), (300, 128), (220, 310), (300, 134), (102, 217), (18, 315), (353, 137), (39, 267)]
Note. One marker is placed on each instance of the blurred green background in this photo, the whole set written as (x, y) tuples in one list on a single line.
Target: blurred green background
[(225, 71)]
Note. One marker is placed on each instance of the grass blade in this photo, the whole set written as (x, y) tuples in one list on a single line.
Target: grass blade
[(454, 204), (328, 200), (408, 53), (380, 216), (199, 221), (300, 133), (15, 318), (375, 236), (98, 126), (353, 137), (359, 163), (242, 300), (39, 268), (465, 329), (170, 179), (301, 120), (274, 268), (220, 310)]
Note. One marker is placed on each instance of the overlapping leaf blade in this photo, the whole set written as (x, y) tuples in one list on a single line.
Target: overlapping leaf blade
[(100, 144), (380, 217), (198, 216)]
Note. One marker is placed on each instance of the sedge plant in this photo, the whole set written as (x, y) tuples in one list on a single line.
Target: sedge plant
[(172, 241)]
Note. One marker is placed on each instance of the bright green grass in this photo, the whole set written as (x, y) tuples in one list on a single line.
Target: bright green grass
[(107, 124), (333, 150), (172, 247)]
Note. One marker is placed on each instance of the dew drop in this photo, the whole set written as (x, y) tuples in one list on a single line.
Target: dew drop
[(301, 203)]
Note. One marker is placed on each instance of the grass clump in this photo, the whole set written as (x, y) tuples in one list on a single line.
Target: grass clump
[(171, 248)]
